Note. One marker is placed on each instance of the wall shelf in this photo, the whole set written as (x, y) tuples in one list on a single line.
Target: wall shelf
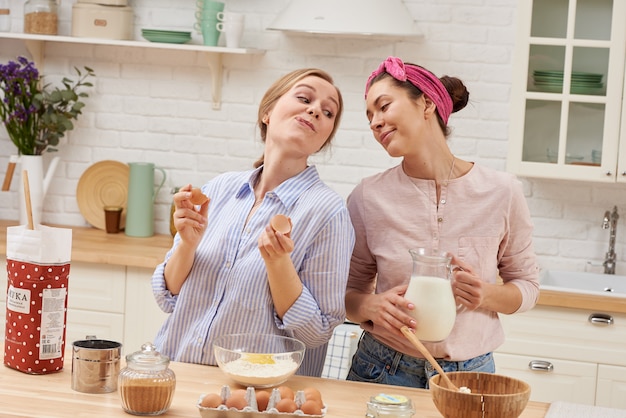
[(214, 54)]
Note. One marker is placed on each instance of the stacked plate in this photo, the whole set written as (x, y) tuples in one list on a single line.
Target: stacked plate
[(166, 36), (582, 83)]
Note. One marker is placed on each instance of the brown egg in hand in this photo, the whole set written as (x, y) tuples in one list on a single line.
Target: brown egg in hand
[(281, 223), (211, 400), (197, 197)]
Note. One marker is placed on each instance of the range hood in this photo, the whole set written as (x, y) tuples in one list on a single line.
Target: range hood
[(347, 17)]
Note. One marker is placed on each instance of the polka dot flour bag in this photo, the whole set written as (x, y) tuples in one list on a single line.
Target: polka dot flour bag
[(38, 266)]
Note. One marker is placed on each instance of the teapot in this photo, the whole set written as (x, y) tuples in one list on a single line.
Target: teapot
[(430, 290)]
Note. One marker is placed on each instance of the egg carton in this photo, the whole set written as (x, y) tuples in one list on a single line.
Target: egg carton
[(252, 410)]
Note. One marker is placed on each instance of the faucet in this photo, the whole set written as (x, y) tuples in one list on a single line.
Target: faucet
[(610, 220)]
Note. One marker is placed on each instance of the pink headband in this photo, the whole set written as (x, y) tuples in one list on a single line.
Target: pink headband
[(421, 78)]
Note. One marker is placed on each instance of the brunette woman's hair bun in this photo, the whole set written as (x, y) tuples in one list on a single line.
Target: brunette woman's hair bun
[(457, 90)]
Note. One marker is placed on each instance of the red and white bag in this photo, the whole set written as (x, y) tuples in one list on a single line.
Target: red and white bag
[(38, 266)]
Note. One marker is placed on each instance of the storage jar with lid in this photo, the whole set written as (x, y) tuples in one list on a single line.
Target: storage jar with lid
[(389, 406), (40, 17), (146, 384)]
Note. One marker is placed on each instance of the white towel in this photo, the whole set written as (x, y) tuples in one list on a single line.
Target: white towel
[(573, 410)]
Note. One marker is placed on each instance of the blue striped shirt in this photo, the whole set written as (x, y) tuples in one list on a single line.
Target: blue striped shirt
[(227, 292)]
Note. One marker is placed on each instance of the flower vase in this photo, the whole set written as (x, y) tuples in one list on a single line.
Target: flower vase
[(37, 183)]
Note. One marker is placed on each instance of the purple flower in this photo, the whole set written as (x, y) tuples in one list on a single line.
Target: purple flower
[(33, 117)]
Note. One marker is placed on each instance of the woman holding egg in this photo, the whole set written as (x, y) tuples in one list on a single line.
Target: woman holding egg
[(229, 271), (437, 201)]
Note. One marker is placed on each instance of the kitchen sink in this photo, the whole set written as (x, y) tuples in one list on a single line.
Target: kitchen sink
[(583, 282)]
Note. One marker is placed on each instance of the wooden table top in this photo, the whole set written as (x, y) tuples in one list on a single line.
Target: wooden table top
[(50, 395)]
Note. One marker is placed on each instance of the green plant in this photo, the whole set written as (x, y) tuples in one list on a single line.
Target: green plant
[(35, 116)]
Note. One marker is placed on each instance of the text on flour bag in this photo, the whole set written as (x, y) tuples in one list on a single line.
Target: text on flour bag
[(36, 314)]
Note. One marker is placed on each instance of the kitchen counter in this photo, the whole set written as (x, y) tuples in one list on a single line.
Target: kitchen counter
[(51, 395), (581, 301), (96, 246), (93, 245)]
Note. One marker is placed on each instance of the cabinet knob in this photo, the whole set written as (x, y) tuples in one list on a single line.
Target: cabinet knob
[(623, 173), (540, 366), (608, 174), (600, 319)]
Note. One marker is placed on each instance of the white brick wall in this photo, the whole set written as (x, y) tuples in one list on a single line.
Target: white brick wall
[(151, 105)]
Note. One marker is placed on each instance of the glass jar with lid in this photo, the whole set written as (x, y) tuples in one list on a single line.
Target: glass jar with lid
[(146, 384), (389, 406), (40, 17)]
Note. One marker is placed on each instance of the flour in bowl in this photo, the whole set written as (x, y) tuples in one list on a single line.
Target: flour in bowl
[(260, 373)]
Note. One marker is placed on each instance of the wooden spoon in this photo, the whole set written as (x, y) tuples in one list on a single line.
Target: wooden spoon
[(418, 344), (29, 207)]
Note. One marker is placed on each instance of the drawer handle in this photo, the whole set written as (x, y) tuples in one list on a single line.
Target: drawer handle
[(601, 319), (540, 366)]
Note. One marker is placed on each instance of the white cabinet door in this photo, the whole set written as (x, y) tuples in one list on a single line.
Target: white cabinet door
[(611, 390), (104, 326), (566, 96), (570, 381), (143, 318), (567, 334), (96, 287)]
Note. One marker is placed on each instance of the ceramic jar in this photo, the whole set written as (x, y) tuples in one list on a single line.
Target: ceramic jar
[(146, 384)]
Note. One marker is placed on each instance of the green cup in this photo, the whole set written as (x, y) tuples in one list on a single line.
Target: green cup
[(141, 196), (218, 6), (210, 33)]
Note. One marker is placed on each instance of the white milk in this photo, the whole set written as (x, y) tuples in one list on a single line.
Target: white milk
[(435, 308)]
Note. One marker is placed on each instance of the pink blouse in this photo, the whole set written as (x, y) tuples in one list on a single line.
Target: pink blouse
[(482, 218)]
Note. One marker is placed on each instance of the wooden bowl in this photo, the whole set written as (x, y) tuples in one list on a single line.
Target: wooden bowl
[(497, 395)]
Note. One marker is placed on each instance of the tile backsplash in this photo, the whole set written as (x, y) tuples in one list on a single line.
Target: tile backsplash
[(155, 105)]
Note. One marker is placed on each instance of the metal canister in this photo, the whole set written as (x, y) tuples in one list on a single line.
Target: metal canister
[(95, 365), (390, 406)]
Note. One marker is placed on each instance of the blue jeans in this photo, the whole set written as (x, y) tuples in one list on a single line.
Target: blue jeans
[(375, 362)]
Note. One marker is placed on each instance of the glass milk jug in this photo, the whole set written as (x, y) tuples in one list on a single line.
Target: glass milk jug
[(430, 290)]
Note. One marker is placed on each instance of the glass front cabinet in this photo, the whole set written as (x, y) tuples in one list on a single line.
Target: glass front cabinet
[(566, 98)]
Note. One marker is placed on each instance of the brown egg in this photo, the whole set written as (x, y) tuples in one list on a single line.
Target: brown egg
[(262, 399), (212, 400), (197, 198), (281, 223), (312, 394), (236, 400), (286, 405), (286, 392), (311, 407)]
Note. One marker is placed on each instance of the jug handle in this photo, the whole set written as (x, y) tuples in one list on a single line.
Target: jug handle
[(454, 267), (156, 192), (6, 185)]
